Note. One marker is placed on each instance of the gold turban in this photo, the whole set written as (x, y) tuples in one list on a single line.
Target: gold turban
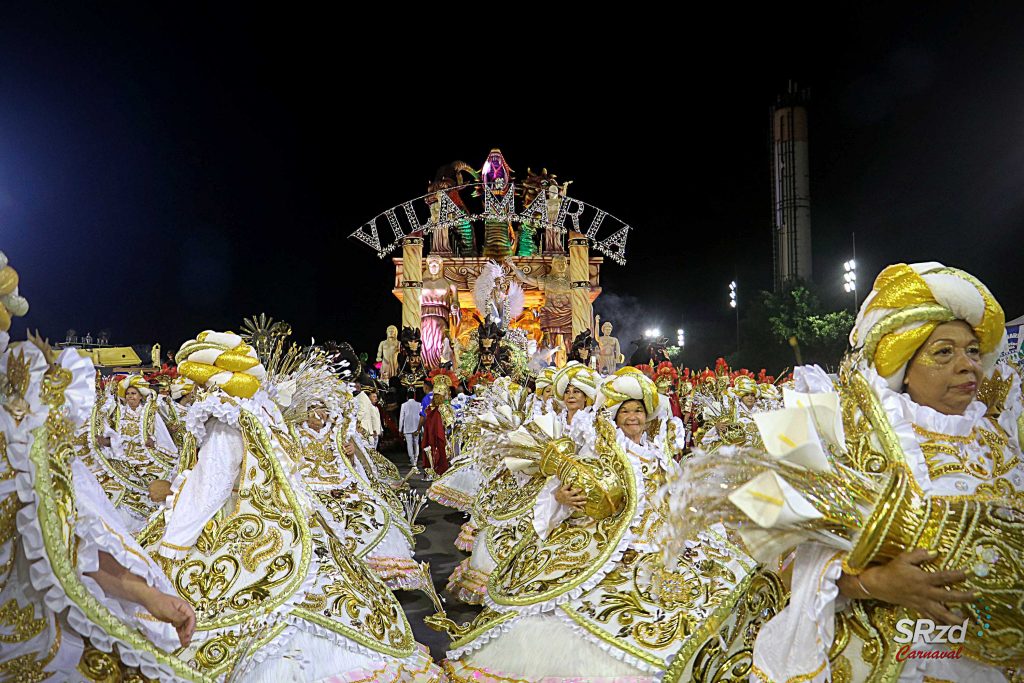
[(907, 302), (221, 360), (11, 304), (137, 381), (545, 378), (744, 386), (630, 384), (181, 386), (578, 375)]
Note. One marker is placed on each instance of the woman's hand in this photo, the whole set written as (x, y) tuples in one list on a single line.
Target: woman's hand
[(104, 441), (159, 489), (571, 497), (150, 442), (349, 448), (174, 611), (117, 582), (902, 582)]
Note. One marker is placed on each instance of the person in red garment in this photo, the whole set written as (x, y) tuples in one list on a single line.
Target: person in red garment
[(436, 424)]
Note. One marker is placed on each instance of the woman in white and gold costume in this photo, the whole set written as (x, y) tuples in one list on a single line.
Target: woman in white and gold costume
[(278, 597), (458, 487), (923, 399), (367, 515), (461, 486), (734, 424), (584, 594), (128, 447), (79, 599), (503, 508)]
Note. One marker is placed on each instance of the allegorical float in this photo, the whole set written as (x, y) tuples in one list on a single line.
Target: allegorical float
[(496, 272)]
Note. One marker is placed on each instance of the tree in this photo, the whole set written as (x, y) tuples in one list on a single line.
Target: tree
[(797, 312)]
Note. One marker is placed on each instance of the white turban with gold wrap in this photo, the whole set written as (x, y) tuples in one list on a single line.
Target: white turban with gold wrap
[(907, 302), (221, 360), (578, 375), (133, 381), (181, 386), (545, 378), (11, 304), (630, 384), (744, 386)]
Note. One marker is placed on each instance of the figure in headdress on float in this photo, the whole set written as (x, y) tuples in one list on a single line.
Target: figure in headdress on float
[(499, 237), (448, 212)]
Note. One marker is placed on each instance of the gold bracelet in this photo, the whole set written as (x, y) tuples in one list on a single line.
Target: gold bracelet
[(861, 584)]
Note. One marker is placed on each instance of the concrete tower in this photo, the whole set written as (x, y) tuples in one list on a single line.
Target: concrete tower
[(791, 188)]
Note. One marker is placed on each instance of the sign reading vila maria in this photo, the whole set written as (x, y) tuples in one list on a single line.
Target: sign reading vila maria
[(467, 212)]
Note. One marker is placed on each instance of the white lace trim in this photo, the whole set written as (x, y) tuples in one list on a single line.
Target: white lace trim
[(608, 648), (227, 411), (43, 578), (482, 639)]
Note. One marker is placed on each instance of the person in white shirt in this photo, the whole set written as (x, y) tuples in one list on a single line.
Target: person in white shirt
[(409, 425), (368, 416)]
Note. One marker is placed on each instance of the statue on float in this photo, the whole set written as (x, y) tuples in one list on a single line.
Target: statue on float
[(610, 353), (499, 237), (448, 213), (556, 313), (387, 354), (439, 311), (542, 199)]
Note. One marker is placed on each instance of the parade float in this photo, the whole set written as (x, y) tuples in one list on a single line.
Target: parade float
[(496, 271)]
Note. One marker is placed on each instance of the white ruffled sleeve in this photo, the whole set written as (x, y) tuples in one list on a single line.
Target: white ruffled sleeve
[(1010, 416), (794, 645), (162, 437), (548, 513), (99, 528), (205, 488)]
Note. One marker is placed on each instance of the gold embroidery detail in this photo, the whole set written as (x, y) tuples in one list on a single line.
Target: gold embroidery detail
[(19, 623)]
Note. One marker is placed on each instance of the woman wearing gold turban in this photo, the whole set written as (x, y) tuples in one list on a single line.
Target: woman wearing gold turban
[(503, 507), (545, 383), (735, 425), (576, 600), (130, 448), (923, 396), (242, 542), (360, 509)]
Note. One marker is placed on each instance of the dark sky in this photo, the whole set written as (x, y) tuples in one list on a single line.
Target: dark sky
[(161, 173)]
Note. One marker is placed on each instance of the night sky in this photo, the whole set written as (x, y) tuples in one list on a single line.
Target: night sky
[(163, 173)]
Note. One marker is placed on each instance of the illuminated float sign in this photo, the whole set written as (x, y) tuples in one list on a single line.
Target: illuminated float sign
[(605, 232)]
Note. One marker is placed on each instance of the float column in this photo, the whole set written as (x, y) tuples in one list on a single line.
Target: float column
[(579, 278), (412, 279)]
